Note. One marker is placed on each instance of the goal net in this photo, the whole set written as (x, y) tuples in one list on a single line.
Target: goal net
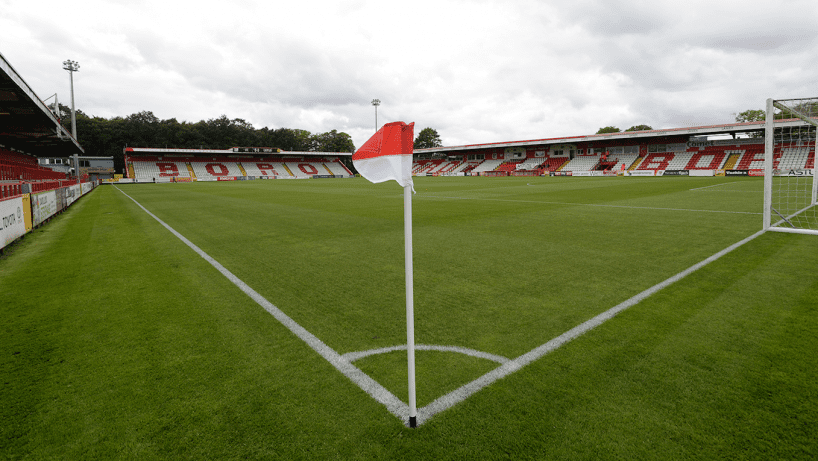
[(790, 186)]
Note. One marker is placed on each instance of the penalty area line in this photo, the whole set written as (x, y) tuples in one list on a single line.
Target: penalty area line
[(355, 374)]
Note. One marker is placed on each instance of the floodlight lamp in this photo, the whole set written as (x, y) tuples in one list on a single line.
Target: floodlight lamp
[(71, 66)]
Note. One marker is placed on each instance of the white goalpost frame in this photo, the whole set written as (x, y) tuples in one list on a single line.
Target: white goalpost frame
[(772, 218)]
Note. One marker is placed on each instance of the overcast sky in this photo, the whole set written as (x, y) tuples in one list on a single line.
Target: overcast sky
[(476, 71)]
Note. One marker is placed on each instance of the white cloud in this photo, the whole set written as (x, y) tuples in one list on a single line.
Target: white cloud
[(477, 71)]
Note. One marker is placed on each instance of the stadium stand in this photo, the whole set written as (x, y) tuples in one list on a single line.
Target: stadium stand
[(21, 167), (510, 165), (258, 169), (487, 165), (754, 159), (469, 166), (797, 157), (337, 168), (218, 168), (582, 163), (446, 167), (304, 169), (656, 161), (148, 170), (425, 166), (553, 163), (706, 161), (624, 161)]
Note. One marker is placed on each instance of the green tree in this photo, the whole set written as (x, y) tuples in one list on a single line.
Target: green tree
[(608, 129), (291, 139), (751, 115), (332, 141), (640, 128), (427, 138)]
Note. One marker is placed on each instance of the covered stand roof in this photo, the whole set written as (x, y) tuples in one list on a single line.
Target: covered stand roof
[(652, 135), (26, 124)]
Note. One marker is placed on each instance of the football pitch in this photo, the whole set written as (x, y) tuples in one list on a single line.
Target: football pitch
[(557, 318)]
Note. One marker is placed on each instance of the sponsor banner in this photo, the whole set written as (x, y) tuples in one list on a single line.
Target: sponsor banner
[(226, 178), (562, 173), (676, 173), (85, 188), (60, 193), (641, 173), (72, 193), (792, 172), (737, 172), (12, 220), (719, 173), (27, 212), (43, 206), (324, 176), (701, 173), (756, 172)]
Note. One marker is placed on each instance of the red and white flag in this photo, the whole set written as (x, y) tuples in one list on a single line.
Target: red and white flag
[(388, 155)]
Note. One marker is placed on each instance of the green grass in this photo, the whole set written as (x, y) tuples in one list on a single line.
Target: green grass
[(119, 342)]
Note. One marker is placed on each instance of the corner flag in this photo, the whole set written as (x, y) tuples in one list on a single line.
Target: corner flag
[(388, 155)]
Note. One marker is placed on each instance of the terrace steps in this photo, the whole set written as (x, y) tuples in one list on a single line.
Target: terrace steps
[(731, 161)]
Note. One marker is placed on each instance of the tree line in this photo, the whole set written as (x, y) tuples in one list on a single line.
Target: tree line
[(107, 137)]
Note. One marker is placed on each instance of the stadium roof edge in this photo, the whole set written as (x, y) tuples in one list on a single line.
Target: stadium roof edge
[(738, 127), (34, 129), (165, 150)]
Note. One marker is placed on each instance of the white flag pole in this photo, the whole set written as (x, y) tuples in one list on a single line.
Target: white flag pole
[(410, 302)]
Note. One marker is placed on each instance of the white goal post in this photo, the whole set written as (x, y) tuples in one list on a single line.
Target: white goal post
[(790, 183)]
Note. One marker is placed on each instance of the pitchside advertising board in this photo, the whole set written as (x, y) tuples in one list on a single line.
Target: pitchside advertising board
[(43, 206), (72, 193), (12, 220)]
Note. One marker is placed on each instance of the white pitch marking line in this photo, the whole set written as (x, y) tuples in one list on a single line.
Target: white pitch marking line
[(590, 204), (465, 391), (369, 385), (353, 356), (714, 185)]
